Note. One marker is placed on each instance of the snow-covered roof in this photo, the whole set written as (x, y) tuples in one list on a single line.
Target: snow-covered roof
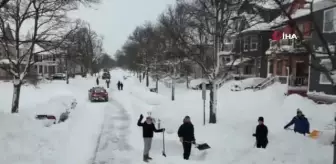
[(237, 61), (7, 61), (39, 50), (258, 27), (297, 14), (269, 4), (224, 53), (318, 5)]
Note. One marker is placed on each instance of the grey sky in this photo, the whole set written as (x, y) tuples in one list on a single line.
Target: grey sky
[(116, 19)]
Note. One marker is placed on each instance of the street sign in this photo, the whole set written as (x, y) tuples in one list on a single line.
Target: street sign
[(203, 91)]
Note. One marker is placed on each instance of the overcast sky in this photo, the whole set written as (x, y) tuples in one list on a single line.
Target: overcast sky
[(116, 19)]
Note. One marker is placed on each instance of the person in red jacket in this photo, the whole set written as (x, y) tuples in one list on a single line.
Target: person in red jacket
[(148, 129)]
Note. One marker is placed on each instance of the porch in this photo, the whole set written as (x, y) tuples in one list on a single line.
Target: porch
[(244, 67), (46, 69), (292, 68)]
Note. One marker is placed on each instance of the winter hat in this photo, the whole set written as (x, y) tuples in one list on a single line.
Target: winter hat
[(149, 118), (298, 111), (186, 118), (261, 119)]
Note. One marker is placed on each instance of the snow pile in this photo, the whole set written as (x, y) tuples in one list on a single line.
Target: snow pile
[(247, 83), (26, 140), (195, 82), (231, 138)]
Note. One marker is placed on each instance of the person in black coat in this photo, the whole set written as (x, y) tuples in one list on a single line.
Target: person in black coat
[(148, 129), (187, 137), (119, 85), (97, 81), (261, 134)]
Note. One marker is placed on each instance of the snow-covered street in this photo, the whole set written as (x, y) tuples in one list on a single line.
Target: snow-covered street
[(106, 133), (113, 143)]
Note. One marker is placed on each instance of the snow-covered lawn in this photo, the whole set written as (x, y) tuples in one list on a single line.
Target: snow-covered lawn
[(25, 140)]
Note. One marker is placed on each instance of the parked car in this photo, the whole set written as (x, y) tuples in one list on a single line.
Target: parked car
[(98, 94), (106, 75), (58, 76)]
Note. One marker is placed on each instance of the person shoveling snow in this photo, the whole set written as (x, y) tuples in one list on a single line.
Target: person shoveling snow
[(301, 123)]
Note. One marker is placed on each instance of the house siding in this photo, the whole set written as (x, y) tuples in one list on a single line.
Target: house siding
[(314, 81), (259, 54)]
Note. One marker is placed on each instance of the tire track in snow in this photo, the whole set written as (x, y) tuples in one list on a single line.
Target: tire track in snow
[(113, 146)]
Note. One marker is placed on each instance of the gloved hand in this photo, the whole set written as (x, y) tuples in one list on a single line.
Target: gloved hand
[(285, 128), (163, 129), (141, 116), (253, 135), (193, 142), (181, 139)]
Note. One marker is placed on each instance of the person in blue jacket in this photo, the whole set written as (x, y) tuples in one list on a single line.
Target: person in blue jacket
[(301, 123)]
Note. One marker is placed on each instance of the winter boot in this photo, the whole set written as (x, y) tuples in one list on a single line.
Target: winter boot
[(145, 158), (148, 157)]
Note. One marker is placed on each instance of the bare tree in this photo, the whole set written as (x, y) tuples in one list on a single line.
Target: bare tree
[(47, 23), (143, 37)]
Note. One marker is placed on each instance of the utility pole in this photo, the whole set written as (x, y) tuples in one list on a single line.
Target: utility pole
[(334, 157)]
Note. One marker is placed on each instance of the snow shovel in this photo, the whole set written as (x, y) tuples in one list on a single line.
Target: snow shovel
[(163, 145), (314, 134), (202, 146)]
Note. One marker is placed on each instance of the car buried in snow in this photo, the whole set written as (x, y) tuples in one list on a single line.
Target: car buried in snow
[(98, 94)]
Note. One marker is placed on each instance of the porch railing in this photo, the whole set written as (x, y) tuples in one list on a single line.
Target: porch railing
[(267, 82), (298, 81), (282, 79)]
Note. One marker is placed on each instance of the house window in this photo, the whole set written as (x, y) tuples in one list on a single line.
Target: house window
[(326, 63), (254, 43), (246, 44), (40, 70), (329, 21)]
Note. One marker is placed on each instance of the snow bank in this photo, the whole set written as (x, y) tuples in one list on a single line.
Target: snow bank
[(231, 138), (248, 82), (26, 140)]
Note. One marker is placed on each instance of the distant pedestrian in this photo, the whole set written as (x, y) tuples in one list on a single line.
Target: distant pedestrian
[(261, 134), (97, 80), (148, 129), (301, 123), (108, 83), (121, 86), (187, 137)]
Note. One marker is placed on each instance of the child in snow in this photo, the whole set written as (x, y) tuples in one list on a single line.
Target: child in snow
[(301, 123), (148, 129), (187, 137), (261, 134)]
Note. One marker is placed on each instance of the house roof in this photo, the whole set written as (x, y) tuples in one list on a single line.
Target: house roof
[(317, 6), (269, 4)]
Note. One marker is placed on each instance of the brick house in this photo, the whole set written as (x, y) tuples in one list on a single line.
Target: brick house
[(287, 58)]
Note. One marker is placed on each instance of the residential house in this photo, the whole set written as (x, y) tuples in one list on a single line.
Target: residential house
[(46, 61), (320, 87), (287, 58), (244, 51)]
